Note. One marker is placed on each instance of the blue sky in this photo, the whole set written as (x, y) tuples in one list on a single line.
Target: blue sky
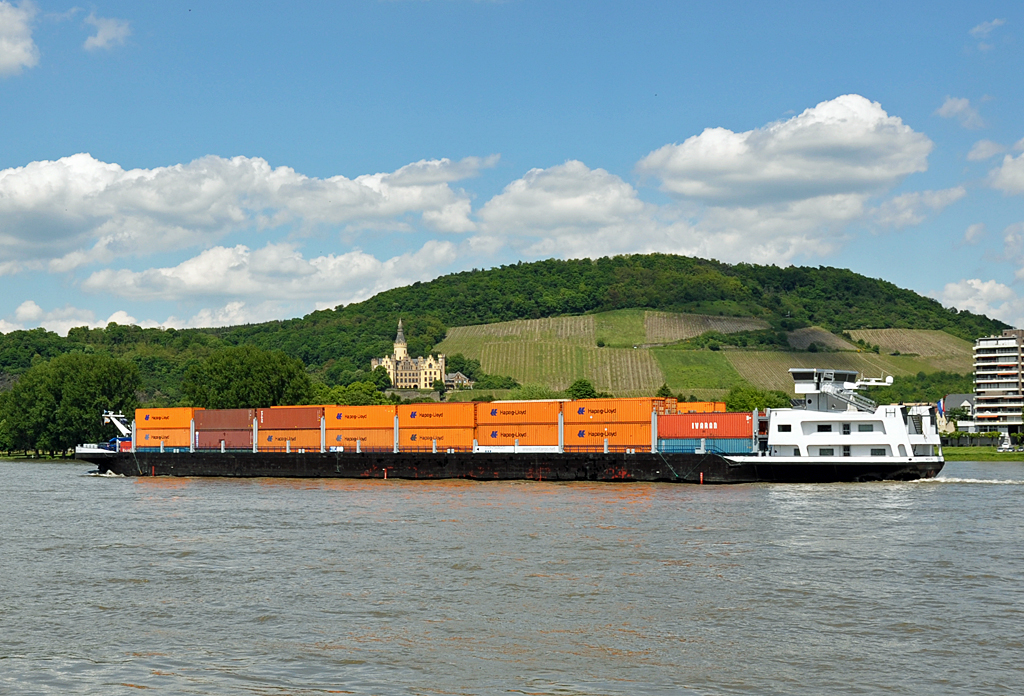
[(197, 164)]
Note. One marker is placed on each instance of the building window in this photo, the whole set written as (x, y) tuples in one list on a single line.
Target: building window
[(846, 428), (877, 452), (785, 428), (865, 428), (824, 428), (846, 450), (826, 452)]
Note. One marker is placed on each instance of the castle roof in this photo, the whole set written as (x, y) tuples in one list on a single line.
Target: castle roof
[(400, 338)]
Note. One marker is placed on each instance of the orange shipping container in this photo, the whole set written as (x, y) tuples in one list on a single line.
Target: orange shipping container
[(700, 407), (163, 418), (435, 415), (178, 437), (618, 434), (609, 410), (506, 435), (517, 412), (689, 425), (422, 438), (299, 439), (291, 418), (360, 417), (375, 438)]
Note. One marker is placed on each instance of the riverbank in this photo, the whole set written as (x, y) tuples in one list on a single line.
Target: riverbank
[(980, 454)]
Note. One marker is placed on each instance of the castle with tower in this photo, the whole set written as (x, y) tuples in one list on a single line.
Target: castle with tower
[(410, 373)]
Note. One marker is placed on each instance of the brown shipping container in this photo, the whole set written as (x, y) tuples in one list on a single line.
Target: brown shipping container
[(360, 417), (688, 425), (435, 415), (291, 418), (506, 435), (370, 438), (609, 410), (178, 437), (162, 418), (233, 439), (299, 439), (618, 434), (518, 412), (700, 407), (225, 419), (422, 438)]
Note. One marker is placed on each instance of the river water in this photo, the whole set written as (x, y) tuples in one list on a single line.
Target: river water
[(277, 586)]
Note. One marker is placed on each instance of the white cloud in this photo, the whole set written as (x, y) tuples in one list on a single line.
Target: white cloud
[(846, 145), (974, 233), (1009, 176), (30, 315), (911, 208), (17, 49), (275, 270), (110, 32), (983, 149), (79, 210), (1019, 146), (985, 28), (961, 110), (987, 297)]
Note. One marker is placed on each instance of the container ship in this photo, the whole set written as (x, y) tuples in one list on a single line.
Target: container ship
[(831, 434)]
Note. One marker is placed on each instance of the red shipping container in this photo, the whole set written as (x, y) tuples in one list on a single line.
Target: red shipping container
[(506, 435), (225, 419), (291, 417), (436, 415), (360, 417), (297, 439), (609, 410), (688, 425), (518, 412), (233, 439), (171, 438), (372, 438), (618, 434), (423, 438)]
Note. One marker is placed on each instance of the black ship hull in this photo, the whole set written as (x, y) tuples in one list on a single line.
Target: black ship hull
[(569, 466)]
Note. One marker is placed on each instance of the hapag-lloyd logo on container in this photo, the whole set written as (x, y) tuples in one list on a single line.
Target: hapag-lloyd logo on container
[(147, 417), (494, 412), (426, 414), (349, 416), (605, 433), (582, 411)]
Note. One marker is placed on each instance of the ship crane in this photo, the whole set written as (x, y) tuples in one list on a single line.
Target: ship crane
[(120, 422)]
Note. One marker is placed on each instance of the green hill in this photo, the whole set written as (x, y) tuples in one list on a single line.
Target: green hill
[(643, 300)]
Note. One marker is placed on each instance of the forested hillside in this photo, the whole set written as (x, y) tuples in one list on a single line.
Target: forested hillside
[(336, 345)]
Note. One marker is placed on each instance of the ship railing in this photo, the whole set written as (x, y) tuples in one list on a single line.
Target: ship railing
[(861, 403), (612, 449)]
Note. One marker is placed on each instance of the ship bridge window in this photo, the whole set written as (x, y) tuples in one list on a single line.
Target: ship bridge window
[(803, 376), (826, 452), (785, 428), (877, 452), (826, 428), (865, 428), (846, 428)]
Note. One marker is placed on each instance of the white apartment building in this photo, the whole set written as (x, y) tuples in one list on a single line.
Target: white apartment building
[(998, 385)]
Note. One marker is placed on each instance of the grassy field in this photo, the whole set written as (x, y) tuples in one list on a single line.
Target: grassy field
[(943, 351), (979, 454), (555, 352), (623, 328), (769, 370), (664, 327), (802, 338), (703, 373)]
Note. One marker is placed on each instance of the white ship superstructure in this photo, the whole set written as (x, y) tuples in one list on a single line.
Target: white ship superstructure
[(836, 425)]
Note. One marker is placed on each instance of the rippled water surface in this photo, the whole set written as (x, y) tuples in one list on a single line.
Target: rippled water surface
[(275, 586)]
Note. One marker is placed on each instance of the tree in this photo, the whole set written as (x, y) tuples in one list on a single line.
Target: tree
[(355, 394), (747, 398), (58, 404), (247, 377), (380, 377), (438, 386), (581, 389), (663, 391)]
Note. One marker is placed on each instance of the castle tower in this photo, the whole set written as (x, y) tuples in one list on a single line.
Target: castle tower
[(401, 349)]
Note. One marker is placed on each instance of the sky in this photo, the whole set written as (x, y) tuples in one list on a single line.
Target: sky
[(187, 164)]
